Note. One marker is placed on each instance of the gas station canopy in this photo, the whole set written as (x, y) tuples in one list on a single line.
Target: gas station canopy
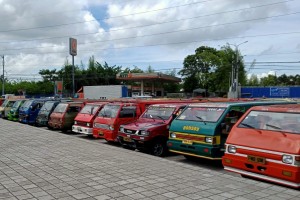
[(147, 77)]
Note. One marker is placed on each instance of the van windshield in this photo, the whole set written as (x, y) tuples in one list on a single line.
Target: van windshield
[(17, 104), (201, 114), (89, 109), (60, 108), (275, 121), (4, 103), (27, 104), (156, 112), (47, 106), (110, 111)]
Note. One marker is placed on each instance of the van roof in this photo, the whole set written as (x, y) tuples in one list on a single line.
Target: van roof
[(282, 108), (243, 103), (173, 105)]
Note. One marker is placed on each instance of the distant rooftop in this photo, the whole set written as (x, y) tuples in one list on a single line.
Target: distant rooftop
[(147, 76)]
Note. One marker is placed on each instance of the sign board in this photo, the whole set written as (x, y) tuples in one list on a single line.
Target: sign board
[(73, 46), (279, 92), (58, 87)]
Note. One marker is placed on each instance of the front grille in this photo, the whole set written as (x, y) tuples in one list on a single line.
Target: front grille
[(103, 126), (190, 137), (129, 131), (81, 123)]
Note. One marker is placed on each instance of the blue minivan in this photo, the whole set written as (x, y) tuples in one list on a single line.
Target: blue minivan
[(30, 109)]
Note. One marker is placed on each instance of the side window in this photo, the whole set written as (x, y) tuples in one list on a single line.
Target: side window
[(127, 112), (231, 118)]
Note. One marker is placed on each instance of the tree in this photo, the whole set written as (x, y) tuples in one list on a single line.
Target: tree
[(253, 81), (211, 69), (201, 64), (270, 80)]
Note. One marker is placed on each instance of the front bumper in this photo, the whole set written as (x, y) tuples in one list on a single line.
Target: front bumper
[(196, 149), (272, 170), (134, 141), (82, 129), (23, 119), (56, 125)]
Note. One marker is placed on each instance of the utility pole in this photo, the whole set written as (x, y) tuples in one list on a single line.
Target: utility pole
[(3, 80), (236, 71)]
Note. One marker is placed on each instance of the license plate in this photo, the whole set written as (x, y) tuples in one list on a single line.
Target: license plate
[(100, 133), (127, 139), (79, 128), (257, 159), (187, 141)]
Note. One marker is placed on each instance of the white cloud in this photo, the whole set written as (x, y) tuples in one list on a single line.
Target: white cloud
[(102, 37)]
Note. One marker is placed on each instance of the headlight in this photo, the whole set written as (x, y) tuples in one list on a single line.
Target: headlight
[(144, 132), (231, 149), (75, 122), (288, 159), (121, 129), (209, 140), (172, 135), (88, 124), (111, 127)]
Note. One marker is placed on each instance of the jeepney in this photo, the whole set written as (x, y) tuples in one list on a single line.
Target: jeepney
[(13, 114), (112, 115), (265, 144), (30, 109), (201, 129), (5, 107), (45, 111), (83, 122), (63, 115), (150, 132)]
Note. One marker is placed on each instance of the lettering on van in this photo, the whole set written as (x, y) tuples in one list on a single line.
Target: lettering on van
[(191, 128)]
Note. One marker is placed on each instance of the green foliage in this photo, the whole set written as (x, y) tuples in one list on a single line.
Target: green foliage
[(210, 69)]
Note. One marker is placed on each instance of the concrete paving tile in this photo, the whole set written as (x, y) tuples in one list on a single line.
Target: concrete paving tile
[(53, 163), (170, 194), (128, 192), (24, 196), (80, 196)]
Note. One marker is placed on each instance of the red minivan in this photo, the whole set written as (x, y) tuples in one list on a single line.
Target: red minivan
[(265, 144)]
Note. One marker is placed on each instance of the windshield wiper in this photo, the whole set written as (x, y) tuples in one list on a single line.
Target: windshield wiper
[(247, 125), (161, 118), (273, 126), (201, 119)]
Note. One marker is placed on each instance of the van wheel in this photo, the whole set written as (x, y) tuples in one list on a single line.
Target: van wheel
[(159, 148)]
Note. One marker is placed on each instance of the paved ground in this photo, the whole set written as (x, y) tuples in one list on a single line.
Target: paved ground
[(36, 163)]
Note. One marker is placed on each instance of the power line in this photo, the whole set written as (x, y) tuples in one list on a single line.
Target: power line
[(107, 31), (66, 24), (55, 12), (155, 34), (173, 43)]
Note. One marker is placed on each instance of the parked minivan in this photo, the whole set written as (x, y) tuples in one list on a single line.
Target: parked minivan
[(265, 144), (29, 110), (63, 115)]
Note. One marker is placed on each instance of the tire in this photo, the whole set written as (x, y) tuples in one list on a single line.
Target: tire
[(159, 148)]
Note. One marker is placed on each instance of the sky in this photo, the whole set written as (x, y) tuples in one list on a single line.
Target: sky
[(34, 35)]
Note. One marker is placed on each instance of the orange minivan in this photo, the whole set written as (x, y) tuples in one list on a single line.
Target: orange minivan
[(265, 144)]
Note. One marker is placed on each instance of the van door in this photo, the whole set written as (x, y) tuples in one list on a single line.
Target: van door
[(70, 115), (231, 117)]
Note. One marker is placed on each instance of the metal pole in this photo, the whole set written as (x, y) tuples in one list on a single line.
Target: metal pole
[(3, 80), (237, 72), (73, 81)]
